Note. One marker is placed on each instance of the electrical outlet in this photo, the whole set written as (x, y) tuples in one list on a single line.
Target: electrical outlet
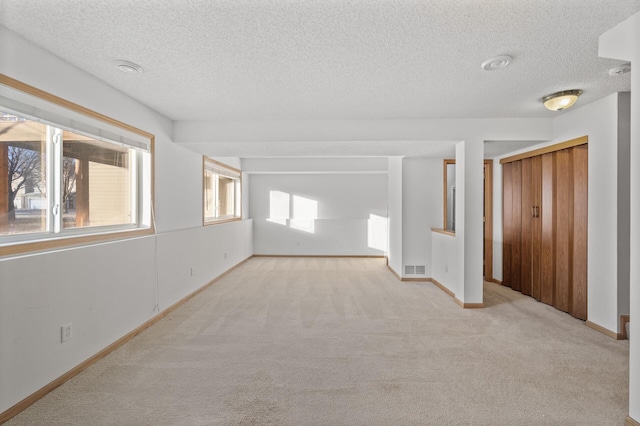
[(225, 255), (65, 332), (193, 272)]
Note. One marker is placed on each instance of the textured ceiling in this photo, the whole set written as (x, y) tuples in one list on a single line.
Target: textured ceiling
[(332, 59)]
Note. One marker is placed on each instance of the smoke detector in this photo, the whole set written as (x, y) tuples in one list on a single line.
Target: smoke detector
[(496, 63), (129, 67), (622, 69)]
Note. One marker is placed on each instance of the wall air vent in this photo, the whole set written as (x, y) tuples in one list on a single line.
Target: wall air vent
[(415, 269)]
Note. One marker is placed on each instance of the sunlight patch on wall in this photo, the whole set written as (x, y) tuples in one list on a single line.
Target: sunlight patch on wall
[(377, 232), (293, 210), (305, 213), (279, 207)]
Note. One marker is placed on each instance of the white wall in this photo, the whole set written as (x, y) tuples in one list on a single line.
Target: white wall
[(108, 289), (395, 214), (622, 43), (178, 187), (624, 202), (315, 164), (444, 260), (634, 277), (421, 209), (104, 290), (189, 259), (344, 203)]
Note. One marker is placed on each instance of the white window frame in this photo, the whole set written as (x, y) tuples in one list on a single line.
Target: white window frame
[(59, 114)]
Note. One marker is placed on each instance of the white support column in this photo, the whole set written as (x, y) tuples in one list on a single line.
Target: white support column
[(394, 253), (469, 213), (634, 276), (623, 42)]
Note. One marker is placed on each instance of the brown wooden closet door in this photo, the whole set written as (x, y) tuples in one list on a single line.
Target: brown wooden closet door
[(516, 235), (528, 219), (507, 223), (545, 228), (578, 305), (536, 227), (512, 223), (563, 231), (547, 251)]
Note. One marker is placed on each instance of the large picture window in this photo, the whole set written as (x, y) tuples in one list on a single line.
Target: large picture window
[(222, 200), (65, 175)]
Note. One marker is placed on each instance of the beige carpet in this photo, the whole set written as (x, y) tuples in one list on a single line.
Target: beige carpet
[(316, 341)]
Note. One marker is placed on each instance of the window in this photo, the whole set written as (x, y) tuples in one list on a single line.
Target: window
[(449, 195), (67, 173), (222, 200), (449, 199)]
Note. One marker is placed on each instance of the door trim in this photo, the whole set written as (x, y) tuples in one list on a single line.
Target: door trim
[(551, 148), (488, 220)]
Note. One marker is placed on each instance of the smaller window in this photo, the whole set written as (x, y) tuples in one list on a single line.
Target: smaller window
[(222, 200), (450, 195)]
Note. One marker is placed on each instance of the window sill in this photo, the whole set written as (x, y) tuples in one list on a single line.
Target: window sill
[(443, 231), (218, 221), (64, 242)]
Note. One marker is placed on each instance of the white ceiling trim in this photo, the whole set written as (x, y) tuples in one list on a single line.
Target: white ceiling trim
[(433, 130)]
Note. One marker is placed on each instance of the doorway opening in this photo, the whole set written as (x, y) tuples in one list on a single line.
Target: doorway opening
[(449, 204)]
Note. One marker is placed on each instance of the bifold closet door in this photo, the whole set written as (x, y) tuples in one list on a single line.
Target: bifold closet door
[(571, 170), (512, 222), (528, 219), (536, 227), (578, 293), (563, 224), (536, 215), (545, 228), (538, 259), (507, 222), (547, 254)]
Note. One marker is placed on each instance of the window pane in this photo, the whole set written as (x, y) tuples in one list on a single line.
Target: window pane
[(226, 193), (221, 192), (451, 197), (96, 182), (209, 195), (23, 202)]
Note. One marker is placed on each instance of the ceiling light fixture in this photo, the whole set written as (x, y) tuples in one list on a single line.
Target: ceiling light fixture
[(496, 63), (129, 67), (561, 100)]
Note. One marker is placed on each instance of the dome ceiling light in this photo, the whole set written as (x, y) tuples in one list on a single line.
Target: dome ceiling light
[(561, 100)]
